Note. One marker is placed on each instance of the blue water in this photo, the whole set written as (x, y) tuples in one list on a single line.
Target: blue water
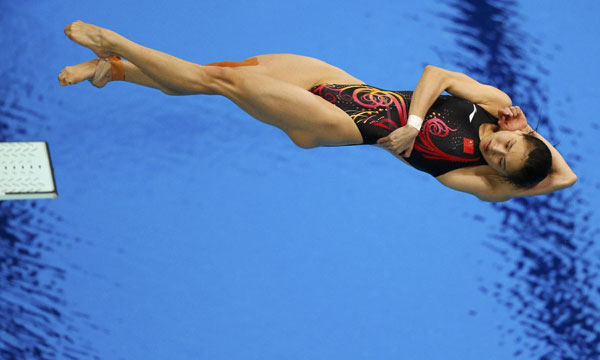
[(185, 229)]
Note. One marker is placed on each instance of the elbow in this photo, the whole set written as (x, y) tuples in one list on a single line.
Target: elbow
[(439, 75), (507, 100), (432, 69), (566, 182)]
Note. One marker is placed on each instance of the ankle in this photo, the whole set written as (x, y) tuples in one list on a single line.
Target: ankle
[(111, 41), (117, 68)]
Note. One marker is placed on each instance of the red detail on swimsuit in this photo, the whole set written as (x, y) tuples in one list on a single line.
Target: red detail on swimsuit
[(377, 105), (425, 145), (375, 98), (327, 96), (468, 146)]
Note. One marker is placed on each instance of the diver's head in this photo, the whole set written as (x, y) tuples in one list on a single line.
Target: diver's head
[(521, 158)]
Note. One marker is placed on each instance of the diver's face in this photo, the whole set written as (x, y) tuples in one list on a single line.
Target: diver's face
[(504, 151)]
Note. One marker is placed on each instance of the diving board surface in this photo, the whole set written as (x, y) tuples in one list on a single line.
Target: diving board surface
[(26, 171)]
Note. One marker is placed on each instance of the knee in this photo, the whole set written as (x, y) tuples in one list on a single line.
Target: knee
[(169, 91), (218, 80), (303, 140)]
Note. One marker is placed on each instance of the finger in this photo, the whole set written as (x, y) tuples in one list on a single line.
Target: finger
[(410, 149)]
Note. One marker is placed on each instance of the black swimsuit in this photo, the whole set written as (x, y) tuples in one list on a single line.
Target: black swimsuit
[(449, 136)]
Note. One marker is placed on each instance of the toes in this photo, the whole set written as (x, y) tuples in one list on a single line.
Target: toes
[(69, 31), (61, 78), (69, 28), (67, 76)]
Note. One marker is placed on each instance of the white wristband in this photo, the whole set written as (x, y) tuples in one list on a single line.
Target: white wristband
[(415, 121)]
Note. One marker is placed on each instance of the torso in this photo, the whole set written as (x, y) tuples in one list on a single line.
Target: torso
[(449, 137)]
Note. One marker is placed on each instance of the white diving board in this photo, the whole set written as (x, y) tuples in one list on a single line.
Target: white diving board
[(26, 171)]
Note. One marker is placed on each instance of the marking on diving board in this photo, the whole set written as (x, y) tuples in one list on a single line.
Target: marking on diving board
[(26, 171)]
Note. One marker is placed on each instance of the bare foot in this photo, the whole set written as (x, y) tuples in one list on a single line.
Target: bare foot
[(97, 71), (91, 36)]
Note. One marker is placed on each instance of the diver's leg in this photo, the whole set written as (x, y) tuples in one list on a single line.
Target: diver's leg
[(309, 120), (100, 75), (300, 70), (189, 78), (173, 73)]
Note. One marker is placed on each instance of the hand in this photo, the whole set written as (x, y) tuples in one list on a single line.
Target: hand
[(511, 118), (400, 141)]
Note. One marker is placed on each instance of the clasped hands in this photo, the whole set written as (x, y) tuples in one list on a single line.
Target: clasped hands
[(402, 140)]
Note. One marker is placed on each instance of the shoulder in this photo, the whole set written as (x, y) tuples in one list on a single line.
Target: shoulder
[(481, 181)]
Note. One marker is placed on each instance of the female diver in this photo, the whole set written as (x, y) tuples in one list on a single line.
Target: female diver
[(474, 141)]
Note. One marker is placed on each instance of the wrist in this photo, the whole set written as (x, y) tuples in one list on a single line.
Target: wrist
[(415, 122)]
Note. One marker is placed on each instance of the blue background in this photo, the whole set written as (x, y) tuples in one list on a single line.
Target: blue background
[(185, 229)]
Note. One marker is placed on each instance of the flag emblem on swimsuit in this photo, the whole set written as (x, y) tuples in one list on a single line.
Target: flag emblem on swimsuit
[(468, 146)]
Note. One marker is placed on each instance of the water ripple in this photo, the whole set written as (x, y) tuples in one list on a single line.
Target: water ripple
[(546, 242), (35, 322)]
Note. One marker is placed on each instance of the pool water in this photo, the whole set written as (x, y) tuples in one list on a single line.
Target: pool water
[(185, 229)]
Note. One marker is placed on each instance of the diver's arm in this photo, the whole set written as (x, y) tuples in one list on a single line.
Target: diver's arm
[(435, 80), (483, 182), (431, 85)]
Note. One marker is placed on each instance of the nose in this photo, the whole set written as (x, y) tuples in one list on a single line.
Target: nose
[(496, 149)]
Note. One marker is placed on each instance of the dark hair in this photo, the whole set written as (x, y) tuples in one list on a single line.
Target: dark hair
[(537, 166)]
